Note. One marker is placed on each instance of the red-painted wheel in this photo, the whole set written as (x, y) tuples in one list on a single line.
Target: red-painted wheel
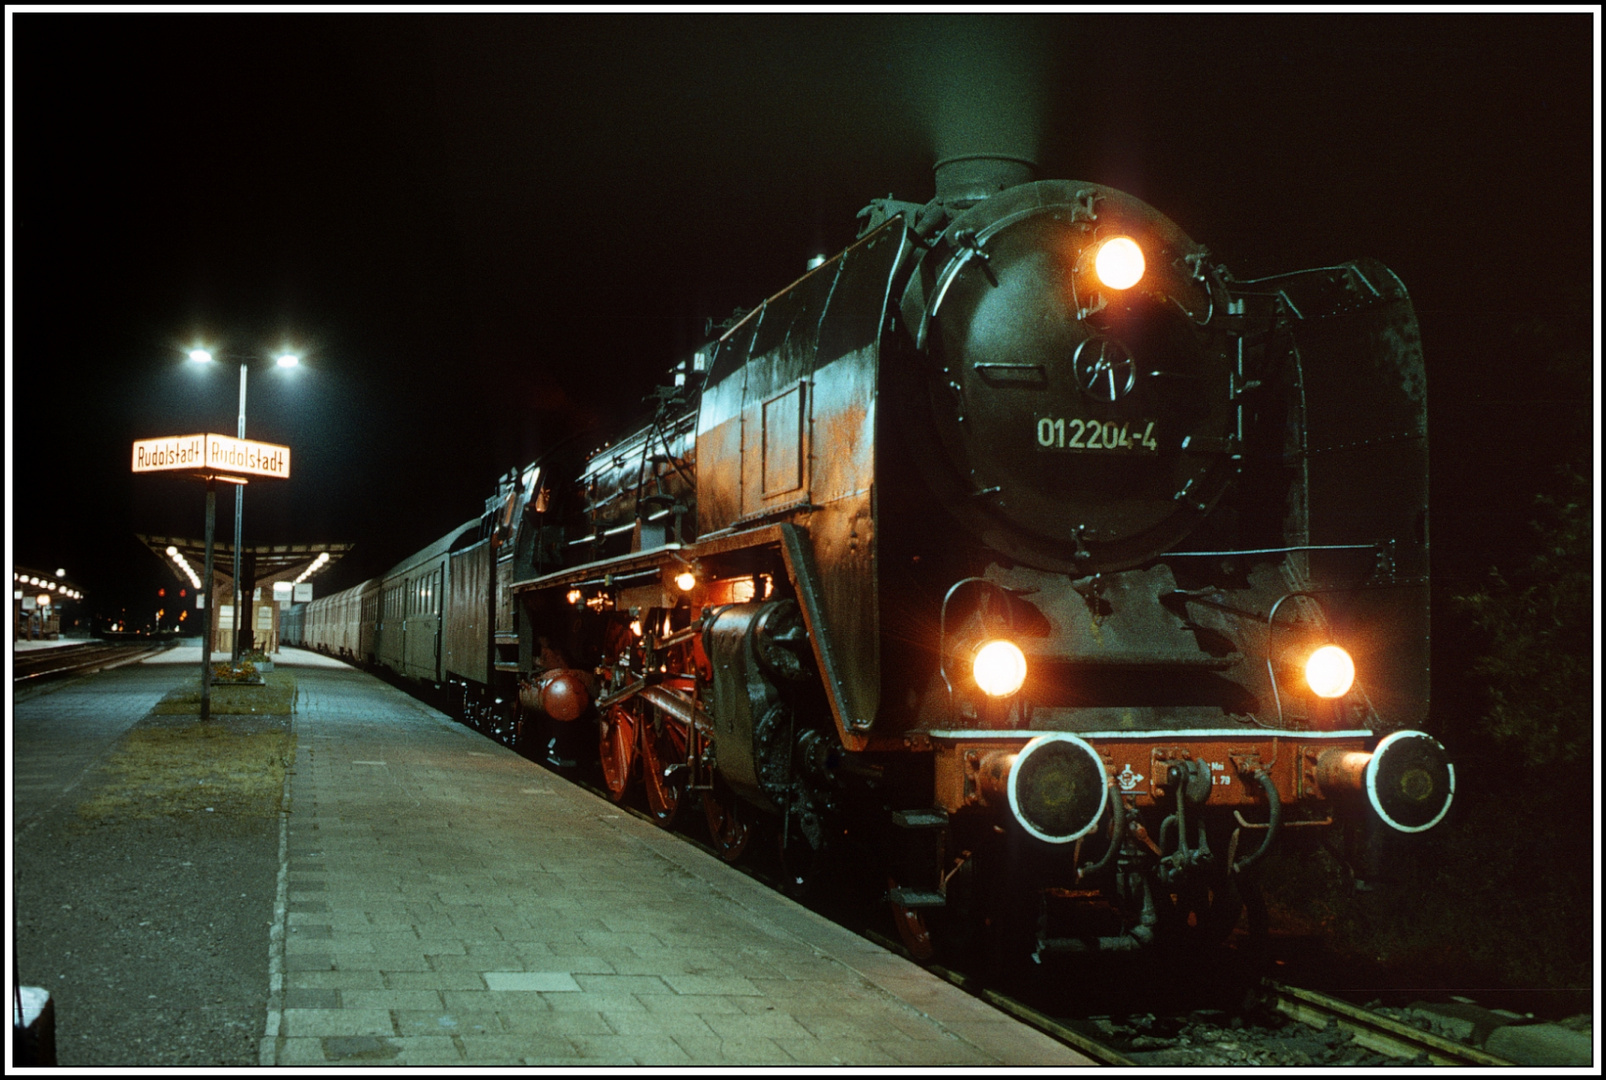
[(663, 768), (730, 823), (617, 750)]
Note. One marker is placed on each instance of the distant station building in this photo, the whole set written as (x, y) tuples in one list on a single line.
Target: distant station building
[(273, 576), (39, 602)]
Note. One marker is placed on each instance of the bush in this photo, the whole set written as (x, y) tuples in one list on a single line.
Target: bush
[(1537, 649)]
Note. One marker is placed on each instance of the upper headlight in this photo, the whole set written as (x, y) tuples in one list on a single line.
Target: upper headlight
[(1330, 672), (1000, 668), (1119, 263)]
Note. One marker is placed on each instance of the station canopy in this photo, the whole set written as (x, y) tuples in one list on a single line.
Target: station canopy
[(273, 562)]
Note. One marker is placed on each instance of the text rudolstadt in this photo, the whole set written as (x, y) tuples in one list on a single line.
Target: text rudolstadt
[(174, 452), (238, 455), (212, 454)]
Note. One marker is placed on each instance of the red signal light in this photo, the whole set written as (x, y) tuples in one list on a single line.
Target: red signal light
[(183, 592), (161, 592)]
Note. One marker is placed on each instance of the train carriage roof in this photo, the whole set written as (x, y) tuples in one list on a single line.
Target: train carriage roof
[(450, 542)]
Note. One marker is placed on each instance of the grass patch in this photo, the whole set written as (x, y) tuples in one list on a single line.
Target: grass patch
[(232, 765), (276, 697)]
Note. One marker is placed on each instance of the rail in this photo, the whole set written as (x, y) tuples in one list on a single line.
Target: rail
[(1054, 1029), (1380, 1034), (31, 668)]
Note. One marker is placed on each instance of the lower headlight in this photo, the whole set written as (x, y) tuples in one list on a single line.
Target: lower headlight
[(1330, 672), (1000, 668)]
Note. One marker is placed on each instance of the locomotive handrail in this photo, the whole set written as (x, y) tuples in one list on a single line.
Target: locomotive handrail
[(1351, 267), (1277, 550), (1271, 628)]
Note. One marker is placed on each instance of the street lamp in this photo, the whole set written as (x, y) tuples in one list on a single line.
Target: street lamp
[(285, 360)]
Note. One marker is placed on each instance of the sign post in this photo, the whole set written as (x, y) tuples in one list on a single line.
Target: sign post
[(212, 458), (206, 636)]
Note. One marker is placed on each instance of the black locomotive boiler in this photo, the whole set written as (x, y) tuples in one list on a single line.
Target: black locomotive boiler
[(1019, 557)]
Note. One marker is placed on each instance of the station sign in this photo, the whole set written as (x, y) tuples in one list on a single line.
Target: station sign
[(173, 452), (212, 453)]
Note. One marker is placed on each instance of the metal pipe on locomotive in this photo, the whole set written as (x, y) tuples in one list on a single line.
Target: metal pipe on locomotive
[(1019, 551)]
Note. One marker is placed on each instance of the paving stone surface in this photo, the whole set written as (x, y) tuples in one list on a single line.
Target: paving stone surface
[(446, 901)]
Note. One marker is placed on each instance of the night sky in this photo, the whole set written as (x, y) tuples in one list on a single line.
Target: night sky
[(489, 232)]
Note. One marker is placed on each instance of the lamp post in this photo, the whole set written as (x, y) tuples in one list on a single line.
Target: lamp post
[(285, 360)]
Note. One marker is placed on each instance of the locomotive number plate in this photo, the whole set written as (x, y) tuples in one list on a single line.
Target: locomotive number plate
[(1070, 433)]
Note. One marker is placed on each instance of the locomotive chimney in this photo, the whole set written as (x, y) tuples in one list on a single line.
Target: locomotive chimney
[(969, 178)]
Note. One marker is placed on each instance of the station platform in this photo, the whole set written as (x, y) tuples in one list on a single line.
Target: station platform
[(444, 901), (43, 644)]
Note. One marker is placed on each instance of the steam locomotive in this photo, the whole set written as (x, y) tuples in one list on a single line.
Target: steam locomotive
[(1018, 559)]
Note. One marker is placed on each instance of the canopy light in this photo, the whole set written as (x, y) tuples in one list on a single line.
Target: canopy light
[(184, 564), (1330, 672), (1000, 668), (317, 564), (685, 581), (1119, 263)]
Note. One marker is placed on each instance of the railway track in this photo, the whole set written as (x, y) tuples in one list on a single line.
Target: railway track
[(1378, 1033), (1159, 1041), (37, 667)]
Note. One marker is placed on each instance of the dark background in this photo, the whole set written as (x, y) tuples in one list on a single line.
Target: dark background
[(490, 232)]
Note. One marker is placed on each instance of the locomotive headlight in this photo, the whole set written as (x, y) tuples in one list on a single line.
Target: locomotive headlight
[(1330, 672), (999, 667), (1119, 263)]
